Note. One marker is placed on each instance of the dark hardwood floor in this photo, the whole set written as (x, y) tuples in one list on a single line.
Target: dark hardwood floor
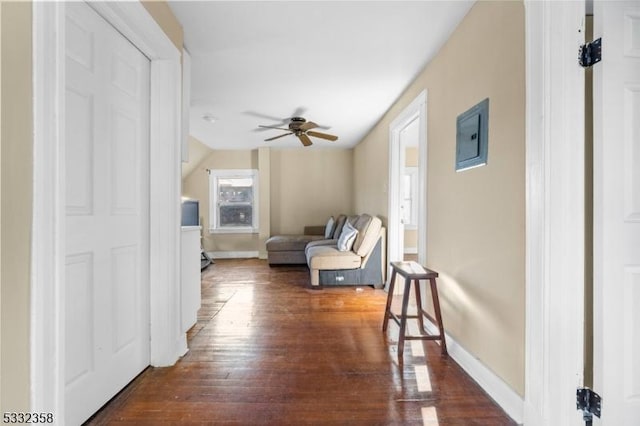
[(267, 350)]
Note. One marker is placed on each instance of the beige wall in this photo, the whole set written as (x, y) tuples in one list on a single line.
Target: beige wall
[(308, 186), (17, 173), (304, 187), (476, 218), (197, 152), (196, 185), (411, 156), (1, 405)]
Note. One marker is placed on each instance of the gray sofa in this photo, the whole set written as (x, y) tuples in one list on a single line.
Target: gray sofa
[(331, 263), (289, 249), (363, 264)]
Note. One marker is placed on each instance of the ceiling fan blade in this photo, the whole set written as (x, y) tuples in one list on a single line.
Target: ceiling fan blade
[(304, 139), (266, 117), (299, 112), (308, 126), (273, 127), (322, 136), (276, 137)]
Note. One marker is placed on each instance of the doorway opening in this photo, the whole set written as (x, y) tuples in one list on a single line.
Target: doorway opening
[(407, 222)]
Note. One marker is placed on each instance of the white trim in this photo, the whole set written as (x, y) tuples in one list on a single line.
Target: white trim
[(186, 103), (411, 250), (554, 212), (47, 245), (216, 174), (47, 289), (234, 230), (233, 254), (417, 108), (133, 21), (505, 397)]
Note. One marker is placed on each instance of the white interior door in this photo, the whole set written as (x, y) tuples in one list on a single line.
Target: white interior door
[(617, 212), (107, 212)]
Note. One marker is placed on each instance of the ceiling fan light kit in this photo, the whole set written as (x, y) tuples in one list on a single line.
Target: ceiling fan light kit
[(301, 128)]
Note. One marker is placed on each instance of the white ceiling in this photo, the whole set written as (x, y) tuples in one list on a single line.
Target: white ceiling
[(340, 64)]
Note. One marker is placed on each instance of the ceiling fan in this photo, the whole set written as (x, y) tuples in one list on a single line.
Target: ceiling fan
[(301, 128)]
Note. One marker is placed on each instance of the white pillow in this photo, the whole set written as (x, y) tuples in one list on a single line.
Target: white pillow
[(328, 229), (347, 237)]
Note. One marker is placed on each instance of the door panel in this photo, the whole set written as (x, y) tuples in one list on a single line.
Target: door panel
[(107, 224), (617, 212)]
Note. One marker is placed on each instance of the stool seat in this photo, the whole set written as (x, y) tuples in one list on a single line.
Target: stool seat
[(412, 271)]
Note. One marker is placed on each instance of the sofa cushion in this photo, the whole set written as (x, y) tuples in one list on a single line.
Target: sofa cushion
[(347, 237), (361, 224), (329, 257), (290, 242), (329, 227), (321, 243), (337, 230), (294, 257), (368, 242)]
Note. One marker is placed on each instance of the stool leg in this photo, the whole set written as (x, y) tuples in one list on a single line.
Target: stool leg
[(436, 308), (403, 317), (416, 285), (387, 310)]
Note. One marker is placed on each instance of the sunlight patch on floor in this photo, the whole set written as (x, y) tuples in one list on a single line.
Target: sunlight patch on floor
[(422, 378), (429, 416), (417, 348)]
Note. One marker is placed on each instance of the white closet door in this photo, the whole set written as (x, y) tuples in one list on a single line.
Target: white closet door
[(107, 212), (617, 212)]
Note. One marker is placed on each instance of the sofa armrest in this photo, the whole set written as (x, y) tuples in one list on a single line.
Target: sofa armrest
[(314, 230)]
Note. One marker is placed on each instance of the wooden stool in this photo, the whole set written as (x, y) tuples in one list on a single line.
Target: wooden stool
[(413, 271)]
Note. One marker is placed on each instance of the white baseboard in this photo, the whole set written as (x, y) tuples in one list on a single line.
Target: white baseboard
[(233, 254), (411, 250), (502, 394)]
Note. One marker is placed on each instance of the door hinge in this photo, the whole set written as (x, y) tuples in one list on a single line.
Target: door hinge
[(589, 403), (590, 53)]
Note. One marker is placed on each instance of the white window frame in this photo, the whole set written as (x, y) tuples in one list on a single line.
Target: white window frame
[(214, 212), (412, 172)]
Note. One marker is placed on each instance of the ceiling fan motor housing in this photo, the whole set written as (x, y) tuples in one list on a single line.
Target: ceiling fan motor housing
[(296, 122)]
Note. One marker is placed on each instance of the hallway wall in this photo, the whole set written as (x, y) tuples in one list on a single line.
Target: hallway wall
[(475, 218)]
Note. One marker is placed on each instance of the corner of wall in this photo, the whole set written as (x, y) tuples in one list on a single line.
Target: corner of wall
[(163, 15)]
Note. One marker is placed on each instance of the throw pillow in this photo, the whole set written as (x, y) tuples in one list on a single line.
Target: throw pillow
[(347, 237), (328, 229), (338, 226)]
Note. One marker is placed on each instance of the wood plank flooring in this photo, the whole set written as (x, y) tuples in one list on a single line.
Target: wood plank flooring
[(268, 350)]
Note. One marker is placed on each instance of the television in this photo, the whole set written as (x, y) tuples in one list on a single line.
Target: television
[(190, 213)]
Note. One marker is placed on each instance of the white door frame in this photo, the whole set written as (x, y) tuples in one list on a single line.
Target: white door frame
[(554, 212), (416, 109), (168, 342)]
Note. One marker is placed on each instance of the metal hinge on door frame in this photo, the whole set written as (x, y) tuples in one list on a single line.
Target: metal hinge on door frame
[(590, 53), (589, 403)]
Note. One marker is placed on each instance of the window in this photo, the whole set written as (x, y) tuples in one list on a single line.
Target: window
[(410, 198), (233, 201)]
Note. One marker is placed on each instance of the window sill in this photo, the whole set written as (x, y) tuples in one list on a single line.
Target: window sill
[(233, 231)]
